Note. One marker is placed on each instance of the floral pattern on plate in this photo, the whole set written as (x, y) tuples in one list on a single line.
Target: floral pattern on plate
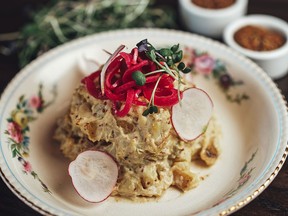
[(25, 112), (245, 175), (203, 63)]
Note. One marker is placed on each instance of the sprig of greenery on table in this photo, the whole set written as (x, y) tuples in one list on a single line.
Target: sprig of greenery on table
[(63, 20)]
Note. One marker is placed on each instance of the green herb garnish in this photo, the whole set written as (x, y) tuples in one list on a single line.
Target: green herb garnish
[(167, 59), (139, 78)]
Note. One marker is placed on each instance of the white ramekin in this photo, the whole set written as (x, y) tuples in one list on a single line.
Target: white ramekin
[(274, 62), (210, 22)]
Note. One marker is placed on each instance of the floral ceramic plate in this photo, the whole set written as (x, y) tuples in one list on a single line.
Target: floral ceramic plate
[(249, 108)]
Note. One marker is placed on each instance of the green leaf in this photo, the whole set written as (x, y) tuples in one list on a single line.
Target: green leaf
[(170, 62), (26, 129), (11, 140), (9, 119), (24, 103), (244, 168), (14, 153), (21, 98), (34, 174), (177, 57), (154, 109), (181, 66), (165, 52), (18, 148), (13, 146), (26, 111), (174, 48), (39, 110), (146, 112), (186, 70), (139, 78)]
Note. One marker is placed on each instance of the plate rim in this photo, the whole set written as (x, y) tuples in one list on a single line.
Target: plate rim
[(279, 97)]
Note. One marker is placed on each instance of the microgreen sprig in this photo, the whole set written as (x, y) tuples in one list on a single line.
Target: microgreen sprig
[(171, 56), (151, 106), (139, 78), (168, 60)]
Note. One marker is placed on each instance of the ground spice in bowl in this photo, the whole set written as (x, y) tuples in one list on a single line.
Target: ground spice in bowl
[(213, 4), (258, 38)]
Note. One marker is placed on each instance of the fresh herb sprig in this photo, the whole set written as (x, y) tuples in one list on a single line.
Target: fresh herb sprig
[(168, 61), (151, 106), (139, 78), (60, 21)]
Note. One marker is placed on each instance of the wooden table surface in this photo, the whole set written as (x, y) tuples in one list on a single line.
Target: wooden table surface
[(273, 201)]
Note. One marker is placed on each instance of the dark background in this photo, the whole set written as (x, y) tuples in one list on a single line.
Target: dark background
[(273, 201)]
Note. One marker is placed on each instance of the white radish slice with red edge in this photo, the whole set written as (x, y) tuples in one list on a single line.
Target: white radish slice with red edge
[(191, 116), (94, 175)]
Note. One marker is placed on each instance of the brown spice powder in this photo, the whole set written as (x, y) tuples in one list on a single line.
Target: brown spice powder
[(258, 38), (213, 4)]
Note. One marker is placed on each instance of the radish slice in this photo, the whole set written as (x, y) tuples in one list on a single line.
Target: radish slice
[(103, 71), (191, 116), (94, 175)]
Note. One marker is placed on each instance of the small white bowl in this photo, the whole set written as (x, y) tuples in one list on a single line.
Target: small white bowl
[(274, 62), (210, 22)]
